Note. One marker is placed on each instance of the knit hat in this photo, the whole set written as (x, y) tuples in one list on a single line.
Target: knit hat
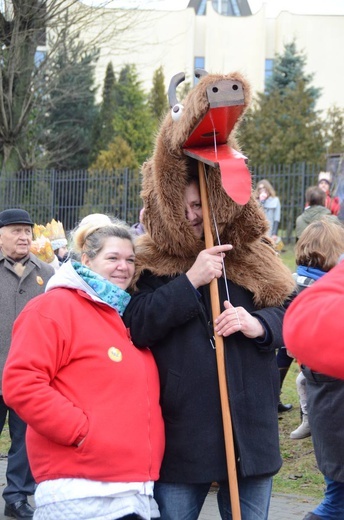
[(325, 176), (15, 216)]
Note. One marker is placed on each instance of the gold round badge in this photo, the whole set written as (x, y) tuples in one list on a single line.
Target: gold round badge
[(39, 280), (115, 354)]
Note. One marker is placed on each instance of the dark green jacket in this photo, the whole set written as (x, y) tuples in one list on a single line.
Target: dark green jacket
[(309, 215)]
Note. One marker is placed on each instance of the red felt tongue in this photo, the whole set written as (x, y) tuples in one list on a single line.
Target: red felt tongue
[(236, 177)]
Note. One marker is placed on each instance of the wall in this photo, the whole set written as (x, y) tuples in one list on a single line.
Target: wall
[(173, 38)]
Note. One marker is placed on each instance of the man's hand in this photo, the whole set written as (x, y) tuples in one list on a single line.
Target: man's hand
[(234, 319), (208, 265)]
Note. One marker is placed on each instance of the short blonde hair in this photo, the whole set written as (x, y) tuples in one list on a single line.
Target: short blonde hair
[(321, 244), (90, 235)]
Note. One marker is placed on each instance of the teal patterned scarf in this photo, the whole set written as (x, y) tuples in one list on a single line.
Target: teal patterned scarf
[(108, 292)]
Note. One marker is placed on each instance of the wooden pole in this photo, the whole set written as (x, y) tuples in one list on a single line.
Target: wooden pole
[(221, 369)]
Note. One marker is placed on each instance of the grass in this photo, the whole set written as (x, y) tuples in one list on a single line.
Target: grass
[(299, 474), (288, 256), (4, 441)]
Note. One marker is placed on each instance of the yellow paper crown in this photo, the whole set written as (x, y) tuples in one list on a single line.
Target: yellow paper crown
[(41, 246), (39, 231), (55, 230)]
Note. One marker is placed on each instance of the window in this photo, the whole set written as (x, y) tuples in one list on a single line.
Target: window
[(199, 62), (39, 57), (201, 8), (269, 65)]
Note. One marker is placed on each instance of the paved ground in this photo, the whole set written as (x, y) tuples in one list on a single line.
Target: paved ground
[(283, 507)]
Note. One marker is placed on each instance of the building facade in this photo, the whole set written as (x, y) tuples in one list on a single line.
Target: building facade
[(183, 40)]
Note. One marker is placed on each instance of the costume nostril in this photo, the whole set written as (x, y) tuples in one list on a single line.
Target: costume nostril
[(215, 89), (235, 87)]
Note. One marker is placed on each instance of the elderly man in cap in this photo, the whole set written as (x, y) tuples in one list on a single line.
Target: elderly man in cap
[(22, 277)]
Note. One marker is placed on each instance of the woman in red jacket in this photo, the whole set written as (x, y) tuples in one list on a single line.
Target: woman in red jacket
[(95, 435)]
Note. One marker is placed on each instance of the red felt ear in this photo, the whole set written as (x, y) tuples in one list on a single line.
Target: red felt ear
[(236, 179), (235, 176)]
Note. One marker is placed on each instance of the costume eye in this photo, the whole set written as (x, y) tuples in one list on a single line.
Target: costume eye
[(177, 111)]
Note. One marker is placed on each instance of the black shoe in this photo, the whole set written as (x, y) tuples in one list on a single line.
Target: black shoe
[(312, 516), (284, 407), (20, 509)]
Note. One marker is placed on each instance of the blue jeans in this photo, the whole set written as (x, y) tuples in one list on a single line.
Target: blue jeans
[(332, 507), (185, 501)]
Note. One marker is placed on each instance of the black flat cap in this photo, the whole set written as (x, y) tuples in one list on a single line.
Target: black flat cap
[(15, 216)]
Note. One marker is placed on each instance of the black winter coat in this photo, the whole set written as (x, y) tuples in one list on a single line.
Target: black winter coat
[(173, 319)]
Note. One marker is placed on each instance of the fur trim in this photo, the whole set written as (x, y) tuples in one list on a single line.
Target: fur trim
[(170, 246)]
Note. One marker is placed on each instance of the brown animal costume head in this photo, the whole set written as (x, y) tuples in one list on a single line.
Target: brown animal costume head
[(170, 246)]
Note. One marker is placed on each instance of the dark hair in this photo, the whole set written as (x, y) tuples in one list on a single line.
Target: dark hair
[(315, 196), (321, 244)]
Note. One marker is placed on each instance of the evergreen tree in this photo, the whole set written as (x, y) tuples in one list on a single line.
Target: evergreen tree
[(103, 132), (334, 130), (71, 106), (157, 99), (283, 126), (288, 71), (133, 120), (106, 180), (117, 155)]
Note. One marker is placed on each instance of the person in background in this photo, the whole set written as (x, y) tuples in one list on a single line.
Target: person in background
[(325, 183), (283, 362), (316, 252), (138, 228), (58, 240), (305, 336), (271, 205), (315, 199), (315, 209), (171, 313), (272, 208), (91, 399), (315, 319), (22, 277)]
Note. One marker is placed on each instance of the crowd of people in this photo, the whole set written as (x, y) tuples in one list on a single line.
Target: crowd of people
[(109, 335), (319, 248)]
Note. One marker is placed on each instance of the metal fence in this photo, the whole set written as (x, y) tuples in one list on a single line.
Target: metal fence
[(68, 196)]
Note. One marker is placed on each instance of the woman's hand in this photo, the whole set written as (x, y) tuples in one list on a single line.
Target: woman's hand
[(234, 319)]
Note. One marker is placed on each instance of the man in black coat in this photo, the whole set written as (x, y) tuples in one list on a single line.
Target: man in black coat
[(171, 313)]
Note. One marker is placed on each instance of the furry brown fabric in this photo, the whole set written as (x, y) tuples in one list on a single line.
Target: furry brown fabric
[(170, 246)]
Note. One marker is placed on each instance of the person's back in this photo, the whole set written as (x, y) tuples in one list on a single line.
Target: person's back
[(314, 209)]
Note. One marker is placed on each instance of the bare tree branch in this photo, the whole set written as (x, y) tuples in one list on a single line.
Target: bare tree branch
[(28, 26)]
